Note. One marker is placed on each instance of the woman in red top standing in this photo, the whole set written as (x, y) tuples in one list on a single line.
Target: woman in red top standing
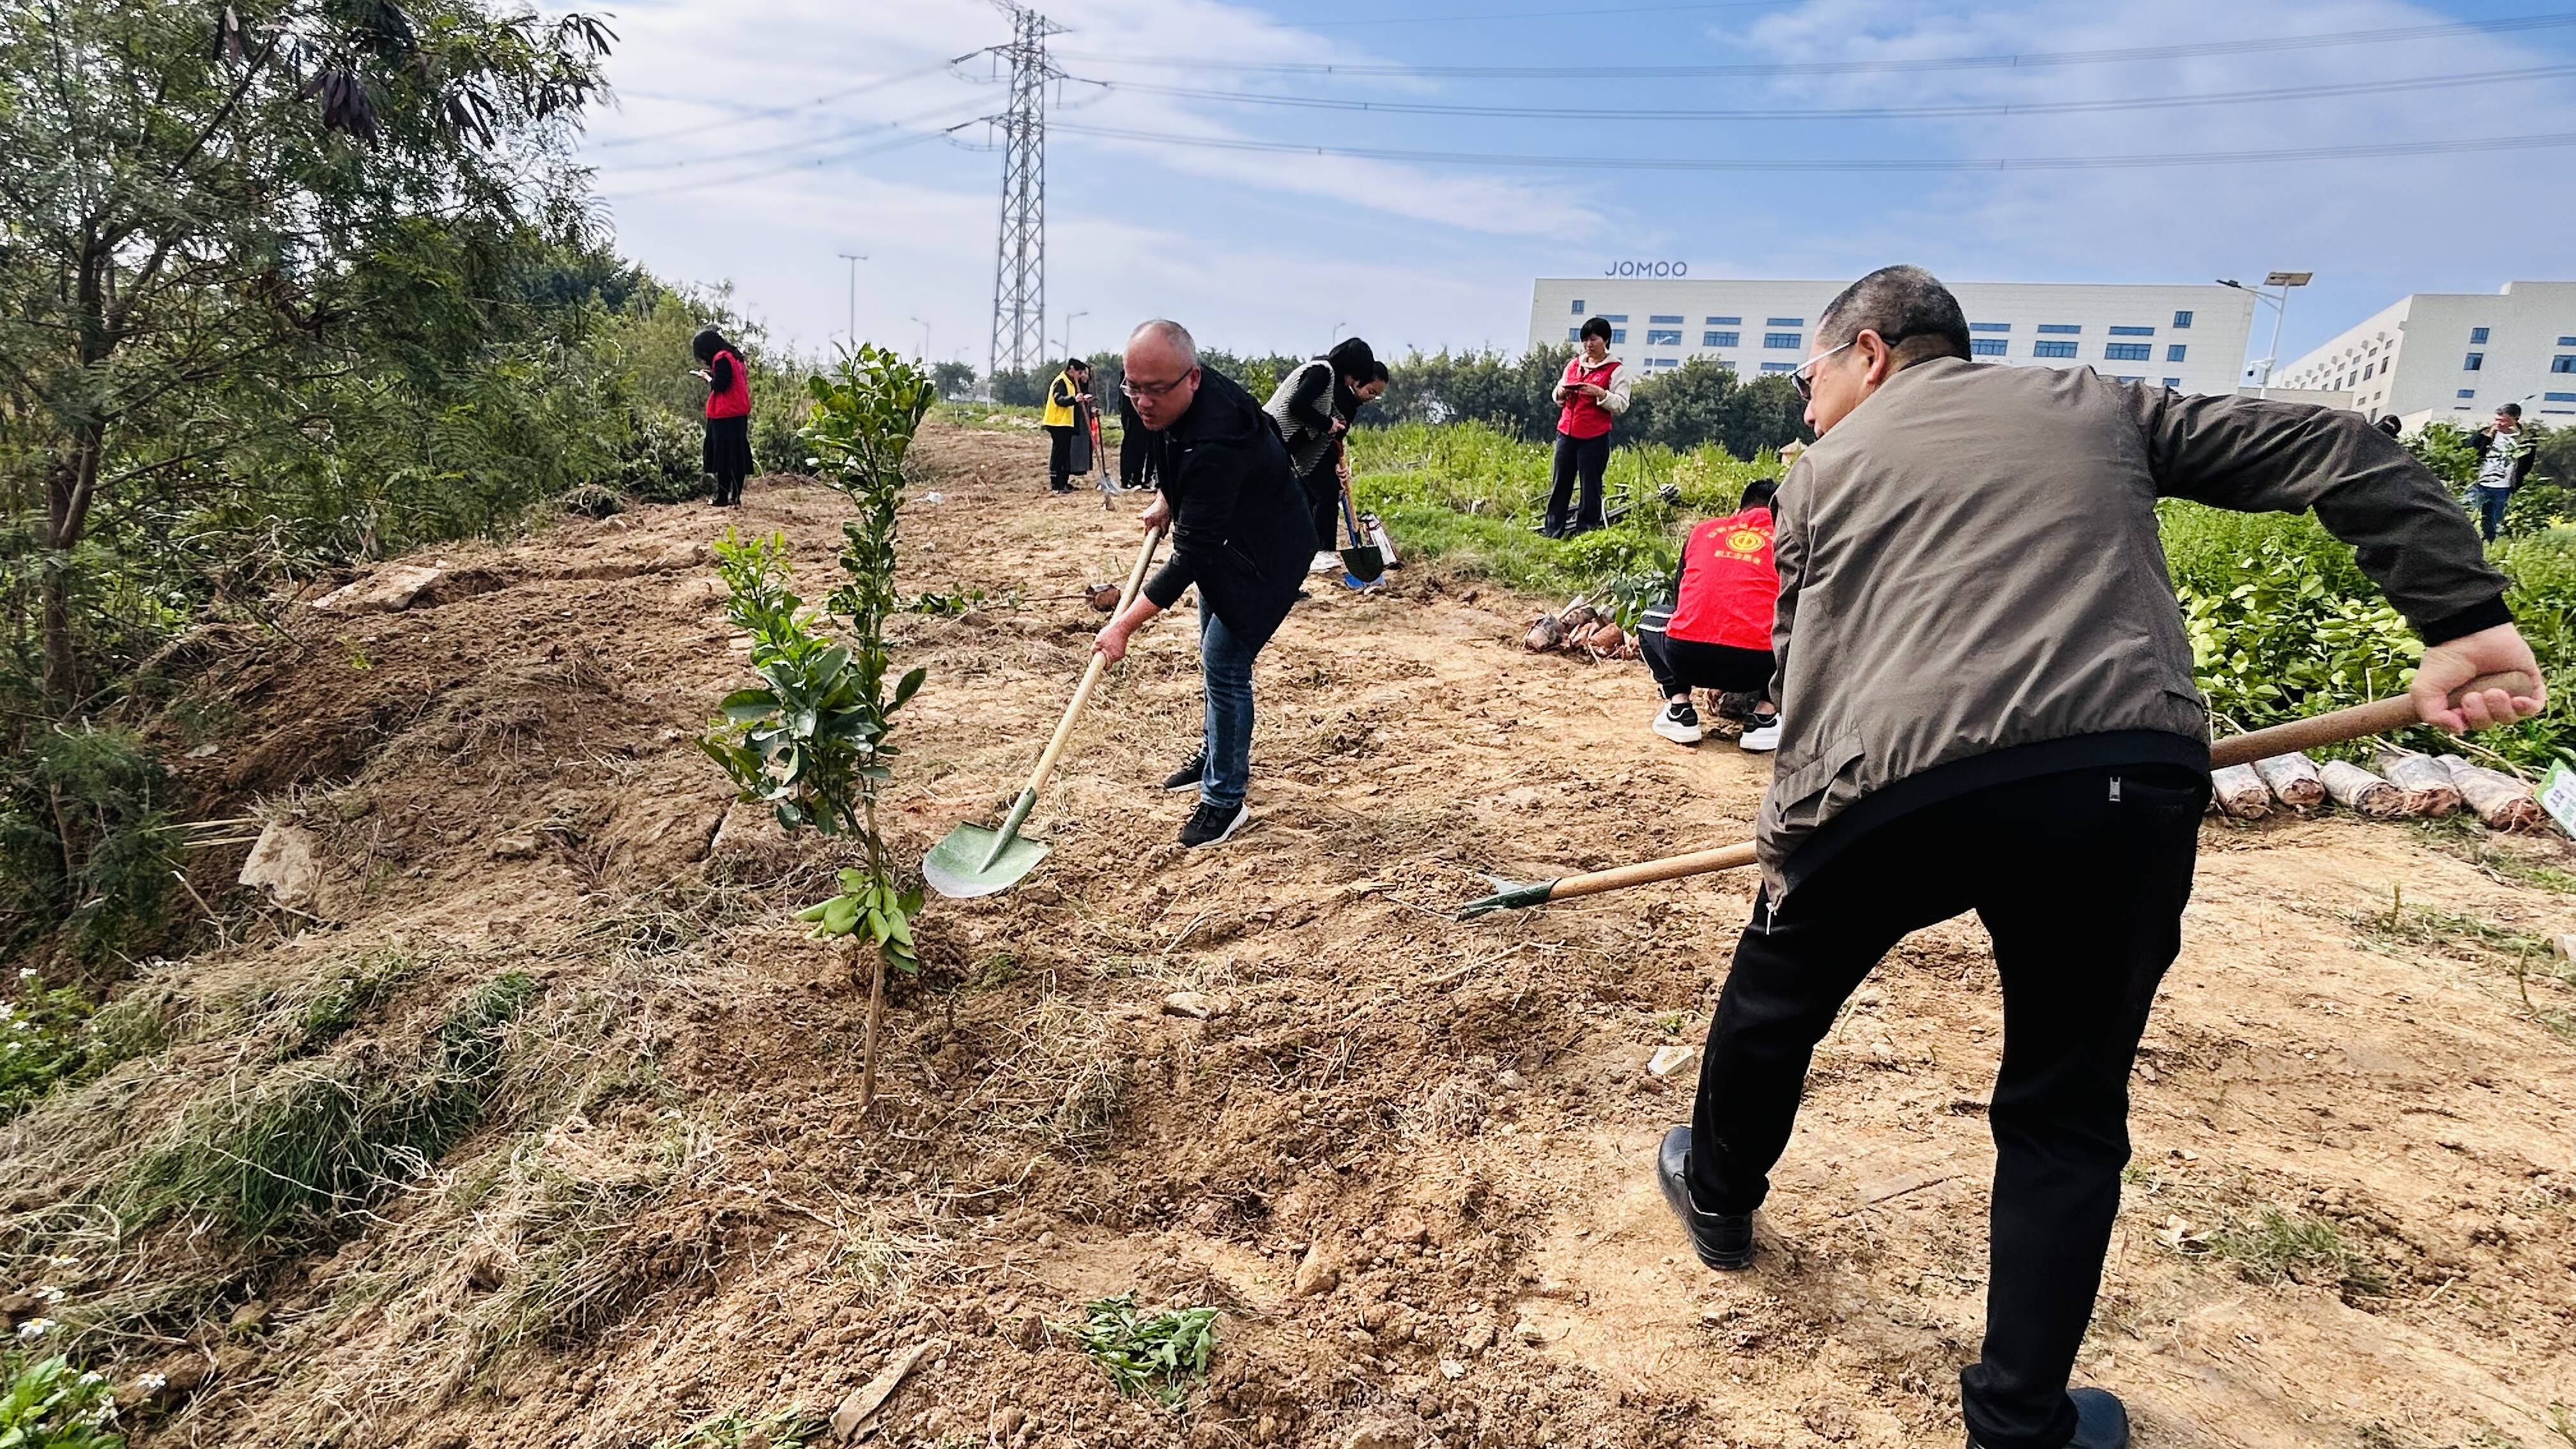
[(728, 448), (1593, 392), (1717, 635)]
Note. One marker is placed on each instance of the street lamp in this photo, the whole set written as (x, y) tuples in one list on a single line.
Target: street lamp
[(854, 258), (2280, 313), (1068, 332), (925, 339)]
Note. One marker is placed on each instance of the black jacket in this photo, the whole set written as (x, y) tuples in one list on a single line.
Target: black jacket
[(2483, 442), (1240, 529)]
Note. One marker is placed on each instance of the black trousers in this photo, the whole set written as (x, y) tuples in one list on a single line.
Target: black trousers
[(1323, 488), (1060, 459), (1587, 458), (1682, 665), (2081, 879)]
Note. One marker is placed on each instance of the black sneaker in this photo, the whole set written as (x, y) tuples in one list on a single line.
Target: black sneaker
[(1213, 824), (2101, 1421), (1187, 776), (1724, 1241)]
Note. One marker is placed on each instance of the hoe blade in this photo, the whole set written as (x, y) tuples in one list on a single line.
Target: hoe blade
[(965, 865)]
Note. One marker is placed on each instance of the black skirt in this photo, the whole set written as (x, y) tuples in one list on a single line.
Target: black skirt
[(728, 450)]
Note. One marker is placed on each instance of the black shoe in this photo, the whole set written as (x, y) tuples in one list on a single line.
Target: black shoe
[(1187, 776), (1724, 1241), (1065, 489), (1213, 824), (2101, 1421)]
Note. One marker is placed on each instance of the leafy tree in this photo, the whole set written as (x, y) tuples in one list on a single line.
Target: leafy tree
[(953, 379), (1704, 402), (1014, 388), (191, 194)]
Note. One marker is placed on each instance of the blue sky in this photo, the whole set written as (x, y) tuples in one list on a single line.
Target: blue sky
[(726, 163)]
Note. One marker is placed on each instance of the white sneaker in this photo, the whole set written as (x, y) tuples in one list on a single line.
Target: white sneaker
[(1678, 722), (1327, 562), (1762, 735)]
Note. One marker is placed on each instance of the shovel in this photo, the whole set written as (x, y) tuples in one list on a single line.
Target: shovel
[(2378, 717), (1363, 560), (976, 861)]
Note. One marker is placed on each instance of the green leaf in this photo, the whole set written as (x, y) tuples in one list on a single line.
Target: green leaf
[(744, 706), (906, 687)]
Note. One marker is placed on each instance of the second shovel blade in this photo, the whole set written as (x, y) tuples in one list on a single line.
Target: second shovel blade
[(955, 867)]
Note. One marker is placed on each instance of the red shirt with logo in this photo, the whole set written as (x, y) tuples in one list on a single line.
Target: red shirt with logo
[(1582, 416), (1730, 586)]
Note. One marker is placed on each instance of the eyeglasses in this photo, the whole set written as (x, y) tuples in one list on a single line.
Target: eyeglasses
[(1152, 389), (1800, 379)]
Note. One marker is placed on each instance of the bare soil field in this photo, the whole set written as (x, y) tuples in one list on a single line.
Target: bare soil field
[(1407, 1158)]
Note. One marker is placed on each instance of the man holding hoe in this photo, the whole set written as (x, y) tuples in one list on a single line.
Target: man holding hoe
[(1987, 704), (1240, 532)]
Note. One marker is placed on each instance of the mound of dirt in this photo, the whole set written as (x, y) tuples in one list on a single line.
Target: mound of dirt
[(545, 989)]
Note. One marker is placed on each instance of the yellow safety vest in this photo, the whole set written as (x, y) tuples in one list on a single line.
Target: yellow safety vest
[(1058, 415)]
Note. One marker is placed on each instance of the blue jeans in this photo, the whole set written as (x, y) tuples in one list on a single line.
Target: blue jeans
[(2491, 503), (1225, 667)]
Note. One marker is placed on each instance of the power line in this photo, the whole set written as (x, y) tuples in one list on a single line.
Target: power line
[(877, 148), (2013, 61), (1863, 113), (1561, 12), (1817, 164), (779, 148), (860, 89)]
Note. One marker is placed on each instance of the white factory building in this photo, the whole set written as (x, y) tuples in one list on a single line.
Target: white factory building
[(2189, 338), (2456, 355)]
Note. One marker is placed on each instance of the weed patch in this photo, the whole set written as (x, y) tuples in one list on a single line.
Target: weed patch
[(1160, 1354), (46, 1404), (2276, 1247), (783, 1429), (50, 1037)]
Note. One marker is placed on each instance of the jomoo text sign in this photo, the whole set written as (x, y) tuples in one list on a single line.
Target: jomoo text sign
[(1646, 269)]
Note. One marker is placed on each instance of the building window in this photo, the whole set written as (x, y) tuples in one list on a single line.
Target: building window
[(1990, 326), (1779, 367), (1618, 334), (2126, 352), (2477, 337), (2563, 364), (1664, 337), (2133, 332), (1720, 339), (1574, 334), (2174, 353), (1663, 362), (1724, 321), (1790, 340), (1988, 346), (2182, 320), (1668, 321), (2173, 384), (1614, 316), (1578, 306), (2567, 341), (2476, 361), (1784, 321), (2124, 377), (2067, 329), (2466, 392), (2558, 397), (2052, 349)]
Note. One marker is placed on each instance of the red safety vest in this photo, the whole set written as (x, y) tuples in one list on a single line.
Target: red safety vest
[(1730, 586), (735, 401), (1582, 417)]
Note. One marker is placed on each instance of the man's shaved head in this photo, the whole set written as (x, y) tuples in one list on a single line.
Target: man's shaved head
[(1164, 333)]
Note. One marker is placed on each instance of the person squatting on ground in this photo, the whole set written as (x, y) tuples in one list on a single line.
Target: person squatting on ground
[(1590, 398), (727, 452), (1313, 407), (1240, 532), (1987, 704), (2505, 453), (1717, 634), (1068, 425)]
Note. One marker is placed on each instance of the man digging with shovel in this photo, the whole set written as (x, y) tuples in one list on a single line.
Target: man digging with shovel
[(1240, 531), (1987, 704)]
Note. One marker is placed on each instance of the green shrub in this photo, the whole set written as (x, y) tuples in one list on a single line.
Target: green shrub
[(46, 1404), (85, 840)]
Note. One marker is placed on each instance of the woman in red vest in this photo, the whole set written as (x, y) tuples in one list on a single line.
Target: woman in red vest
[(728, 448), (1593, 392), (1717, 635)]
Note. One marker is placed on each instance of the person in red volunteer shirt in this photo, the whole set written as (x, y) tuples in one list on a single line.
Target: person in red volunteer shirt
[(1717, 635), (728, 448), (1593, 392)]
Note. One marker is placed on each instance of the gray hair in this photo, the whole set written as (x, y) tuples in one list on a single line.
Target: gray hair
[(1903, 305), (1172, 335)]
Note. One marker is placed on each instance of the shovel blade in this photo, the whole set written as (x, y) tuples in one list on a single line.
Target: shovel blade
[(957, 868), (1365, 564)]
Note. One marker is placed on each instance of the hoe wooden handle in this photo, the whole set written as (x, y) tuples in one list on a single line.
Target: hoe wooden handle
[(2379, 717)]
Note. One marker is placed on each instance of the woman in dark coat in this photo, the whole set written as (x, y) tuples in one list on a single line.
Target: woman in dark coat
[(728, 447)]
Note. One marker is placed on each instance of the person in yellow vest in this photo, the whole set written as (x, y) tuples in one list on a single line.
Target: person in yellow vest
[(1068, 409)]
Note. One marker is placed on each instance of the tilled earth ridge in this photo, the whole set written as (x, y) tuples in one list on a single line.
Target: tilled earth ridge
[(1408, 1158)]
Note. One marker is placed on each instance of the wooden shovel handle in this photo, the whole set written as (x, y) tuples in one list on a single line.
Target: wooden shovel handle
[(1092, 672), (1671, 867), (2379, 717)]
